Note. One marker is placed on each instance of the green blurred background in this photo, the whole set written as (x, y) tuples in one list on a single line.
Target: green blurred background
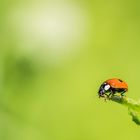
[(54, 55)]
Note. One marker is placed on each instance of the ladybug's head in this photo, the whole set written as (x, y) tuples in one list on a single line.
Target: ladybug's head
[(103, 89)]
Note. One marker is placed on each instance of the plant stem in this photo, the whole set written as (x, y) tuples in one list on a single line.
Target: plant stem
[(133, 106)]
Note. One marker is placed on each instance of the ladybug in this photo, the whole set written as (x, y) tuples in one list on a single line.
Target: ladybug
[(112, 86)]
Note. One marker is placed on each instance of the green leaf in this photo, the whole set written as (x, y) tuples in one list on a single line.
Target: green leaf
[(132, 105)]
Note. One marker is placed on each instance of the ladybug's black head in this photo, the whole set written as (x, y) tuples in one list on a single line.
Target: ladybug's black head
[(103, 89)]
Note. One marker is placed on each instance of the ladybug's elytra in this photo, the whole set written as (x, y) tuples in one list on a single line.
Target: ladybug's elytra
[(112, 86)]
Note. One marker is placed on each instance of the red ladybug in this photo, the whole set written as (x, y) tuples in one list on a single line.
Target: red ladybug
[(112, 86)]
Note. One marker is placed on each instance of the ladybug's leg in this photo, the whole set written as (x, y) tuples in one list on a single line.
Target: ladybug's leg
[(107, 95), (122, 94), (112, 92)]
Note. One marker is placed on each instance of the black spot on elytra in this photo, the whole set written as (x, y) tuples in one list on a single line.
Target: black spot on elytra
[(120, 80)]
